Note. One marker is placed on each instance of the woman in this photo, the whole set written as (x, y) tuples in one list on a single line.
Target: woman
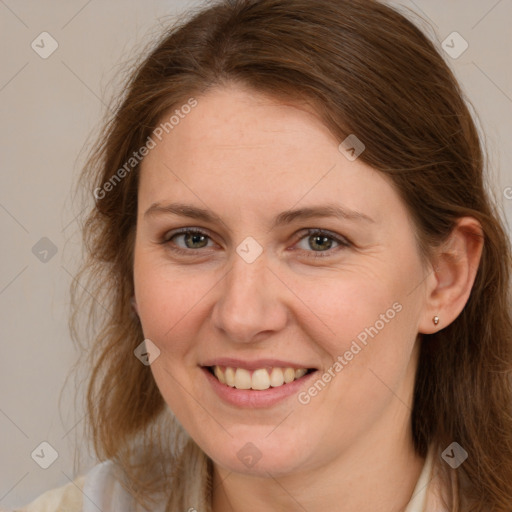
[(307, 285)]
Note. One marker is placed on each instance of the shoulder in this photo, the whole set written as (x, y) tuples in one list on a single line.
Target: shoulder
[(68, 498), (99, 488)]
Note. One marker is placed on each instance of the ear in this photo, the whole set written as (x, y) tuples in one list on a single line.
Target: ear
[(455, 265)]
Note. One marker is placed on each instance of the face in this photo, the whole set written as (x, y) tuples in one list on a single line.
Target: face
[(284, 257)]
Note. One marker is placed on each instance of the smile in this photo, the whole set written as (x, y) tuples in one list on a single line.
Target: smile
[(258, 379)]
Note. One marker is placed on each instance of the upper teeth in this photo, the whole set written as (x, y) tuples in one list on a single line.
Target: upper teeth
[(260, 379)]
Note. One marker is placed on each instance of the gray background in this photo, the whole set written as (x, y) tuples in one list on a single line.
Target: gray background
[(48, 109)]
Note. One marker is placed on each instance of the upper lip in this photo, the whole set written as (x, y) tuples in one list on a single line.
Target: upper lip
[(254, 365)]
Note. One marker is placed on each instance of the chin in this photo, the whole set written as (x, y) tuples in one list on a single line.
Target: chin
[(260, 456)]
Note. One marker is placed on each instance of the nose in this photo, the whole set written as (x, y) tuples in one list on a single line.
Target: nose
[(251, 303)]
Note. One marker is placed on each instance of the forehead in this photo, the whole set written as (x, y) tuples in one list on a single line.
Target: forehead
[(242, 148)]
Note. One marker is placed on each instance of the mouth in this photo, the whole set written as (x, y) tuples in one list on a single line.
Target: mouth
[(259, 379)]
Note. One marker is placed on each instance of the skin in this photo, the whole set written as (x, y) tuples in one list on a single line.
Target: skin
[(247, 158)]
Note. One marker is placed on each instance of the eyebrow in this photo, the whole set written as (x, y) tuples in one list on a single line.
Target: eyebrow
[(286, 217)]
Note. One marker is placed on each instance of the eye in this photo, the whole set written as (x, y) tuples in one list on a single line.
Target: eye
[(192, 239), (321, 241)]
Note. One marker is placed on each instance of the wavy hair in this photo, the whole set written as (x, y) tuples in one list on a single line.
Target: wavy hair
[(368, 71)]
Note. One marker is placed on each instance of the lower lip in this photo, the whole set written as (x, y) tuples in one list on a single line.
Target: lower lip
[(252, 398)]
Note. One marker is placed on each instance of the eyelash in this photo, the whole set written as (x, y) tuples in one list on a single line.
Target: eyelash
[(342, 241)]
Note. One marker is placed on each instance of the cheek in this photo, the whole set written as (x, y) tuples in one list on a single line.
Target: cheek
[(343, 307), (169, 304), (367, 319), (368, 356), (167, 301)]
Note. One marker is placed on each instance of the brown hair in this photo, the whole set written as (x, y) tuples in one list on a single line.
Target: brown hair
[(368, 71)]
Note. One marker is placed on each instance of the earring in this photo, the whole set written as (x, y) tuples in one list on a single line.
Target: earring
[(435, 320)]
